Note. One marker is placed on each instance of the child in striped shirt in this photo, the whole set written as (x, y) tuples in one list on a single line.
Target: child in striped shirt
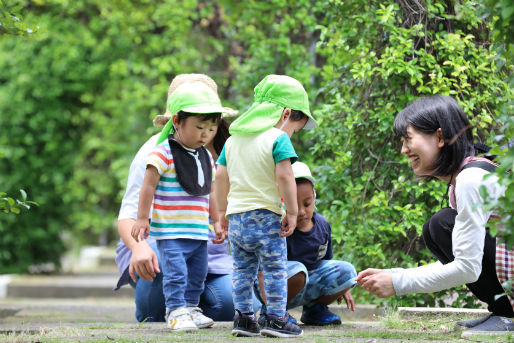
[(179, 179)]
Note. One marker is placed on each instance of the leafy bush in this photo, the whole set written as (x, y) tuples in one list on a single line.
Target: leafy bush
[(76, 104), (11, 205)]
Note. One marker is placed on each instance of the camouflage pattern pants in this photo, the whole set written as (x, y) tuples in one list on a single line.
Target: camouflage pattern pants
[(255, 238)]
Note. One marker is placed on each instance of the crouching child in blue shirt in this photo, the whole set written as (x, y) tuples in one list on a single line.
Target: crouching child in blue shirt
[(309, 254)]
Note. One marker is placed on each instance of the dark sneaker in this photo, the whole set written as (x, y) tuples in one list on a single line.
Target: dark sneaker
[(319, 315), (473, 322), (275, 326), (493, 323), (262, 317), (245, 325)]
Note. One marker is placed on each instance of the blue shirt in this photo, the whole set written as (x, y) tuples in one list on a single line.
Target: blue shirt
[(310, 248)]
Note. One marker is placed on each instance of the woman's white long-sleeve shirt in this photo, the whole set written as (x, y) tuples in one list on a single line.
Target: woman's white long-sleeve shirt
[(468, 237)]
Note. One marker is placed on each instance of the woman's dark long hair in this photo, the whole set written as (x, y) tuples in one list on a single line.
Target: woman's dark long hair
[(440, 111)]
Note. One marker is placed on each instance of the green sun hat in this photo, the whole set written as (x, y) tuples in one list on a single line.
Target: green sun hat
[(192, 97), (272, 95)]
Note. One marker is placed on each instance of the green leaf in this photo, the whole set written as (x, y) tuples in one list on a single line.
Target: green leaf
[(23, 195)]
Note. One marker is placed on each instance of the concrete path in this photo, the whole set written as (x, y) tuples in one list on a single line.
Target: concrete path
[(112, 320), (80, 306)]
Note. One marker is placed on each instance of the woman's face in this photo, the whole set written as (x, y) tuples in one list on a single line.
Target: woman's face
[(422, 150)]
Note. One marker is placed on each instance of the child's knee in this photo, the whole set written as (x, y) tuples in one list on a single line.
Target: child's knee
[(344, 269)]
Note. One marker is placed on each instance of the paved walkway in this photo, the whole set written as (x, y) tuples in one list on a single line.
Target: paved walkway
[(82, 307), (112, 320)]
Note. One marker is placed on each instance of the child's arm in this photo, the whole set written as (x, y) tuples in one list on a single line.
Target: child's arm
[(213, 211), (287, 189), (141, 228), (222, 188)]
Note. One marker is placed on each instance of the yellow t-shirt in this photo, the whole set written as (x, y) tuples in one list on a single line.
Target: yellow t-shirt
[(250, 162)]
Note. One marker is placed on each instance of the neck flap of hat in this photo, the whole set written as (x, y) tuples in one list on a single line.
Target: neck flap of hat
[(272, 95)]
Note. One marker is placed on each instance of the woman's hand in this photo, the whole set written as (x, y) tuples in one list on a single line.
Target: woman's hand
[(377, 282), (144, 262)]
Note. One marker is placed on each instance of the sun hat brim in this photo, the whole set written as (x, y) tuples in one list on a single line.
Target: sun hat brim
[(310, 178), (311, 123), (203, 108), (226, 113)]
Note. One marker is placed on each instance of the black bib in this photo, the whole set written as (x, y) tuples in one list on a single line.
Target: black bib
[(187, 170)]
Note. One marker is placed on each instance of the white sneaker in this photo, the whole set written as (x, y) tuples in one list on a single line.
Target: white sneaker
[(199, 318), (181, 320)]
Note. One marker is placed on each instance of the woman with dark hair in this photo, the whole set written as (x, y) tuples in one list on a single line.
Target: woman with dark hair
[(437, 140)]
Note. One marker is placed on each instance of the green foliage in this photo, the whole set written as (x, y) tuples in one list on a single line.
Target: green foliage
[(11, 205), (502, 13), (503, 36), (76, 102), (11, 22)]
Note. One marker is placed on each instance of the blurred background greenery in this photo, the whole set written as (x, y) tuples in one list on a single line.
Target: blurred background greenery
[(81, 80)]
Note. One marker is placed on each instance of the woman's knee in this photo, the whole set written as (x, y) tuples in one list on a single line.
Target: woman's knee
[(439, 225)]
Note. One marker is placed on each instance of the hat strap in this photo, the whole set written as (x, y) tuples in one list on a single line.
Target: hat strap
[(284, 123)]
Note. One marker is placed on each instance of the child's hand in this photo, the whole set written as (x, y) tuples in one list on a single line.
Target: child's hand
[(350, 303), (224, 222), (140, 230), (220, 233), (288, 224)]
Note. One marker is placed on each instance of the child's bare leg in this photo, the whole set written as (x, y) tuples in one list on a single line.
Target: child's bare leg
[(329, 299), (295, 284)]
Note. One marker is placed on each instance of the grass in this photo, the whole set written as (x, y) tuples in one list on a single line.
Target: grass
[(401, 332), (387, 328)]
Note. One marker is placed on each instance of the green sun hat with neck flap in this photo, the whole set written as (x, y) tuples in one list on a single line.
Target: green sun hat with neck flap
[(191, 97), (272, 95)]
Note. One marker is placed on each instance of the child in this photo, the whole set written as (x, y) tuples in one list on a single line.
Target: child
[(180, 172), (255, 172), (309, 250), (314, 280)]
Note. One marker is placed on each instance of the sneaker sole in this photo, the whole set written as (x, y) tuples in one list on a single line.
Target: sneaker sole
[(205, 325), (242, 333), (273, 333), (335, 322)]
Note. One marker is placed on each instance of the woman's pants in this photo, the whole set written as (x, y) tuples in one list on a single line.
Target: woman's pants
[(437, 234)]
